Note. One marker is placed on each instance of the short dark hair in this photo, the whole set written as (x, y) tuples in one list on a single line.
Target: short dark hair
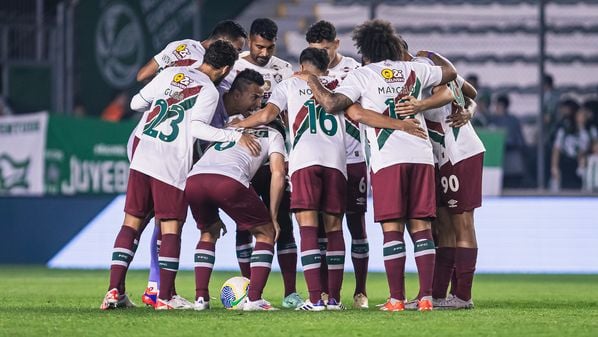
[(404, 43), (548, 80), (265, 28), (228, 29), (246, 78), (570, 103), (319, 31), (376, 40), (504, 100), (221, 54), (317, 57)]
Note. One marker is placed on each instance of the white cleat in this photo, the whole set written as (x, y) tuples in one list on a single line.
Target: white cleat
[(181, 303), (110, 300), (334, 305), (360, 301), (308, 306), (454, 303), (201, 305), (259, 305)]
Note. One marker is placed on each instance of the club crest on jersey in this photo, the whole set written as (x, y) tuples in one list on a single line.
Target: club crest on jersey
[(392, 75), (181, 51), (181, 80), (278, 78), (267, 85)]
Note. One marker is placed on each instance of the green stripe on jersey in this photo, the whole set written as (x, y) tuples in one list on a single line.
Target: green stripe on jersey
[(352, 131)]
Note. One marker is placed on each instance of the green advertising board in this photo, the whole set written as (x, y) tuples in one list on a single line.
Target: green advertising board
[(86, 156)]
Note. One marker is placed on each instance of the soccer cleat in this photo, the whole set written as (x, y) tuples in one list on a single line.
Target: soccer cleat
[(324, 297), (259, 305), (332, 304), (163, 305), (110, 300), (411, 305), (425, 304), (292, 301), (124, 302), (360, 301), (454, 303), (200, 304), (181, 303), (393, 305), (150, 296), (308, 306)]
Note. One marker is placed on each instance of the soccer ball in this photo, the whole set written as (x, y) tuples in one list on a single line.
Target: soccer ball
[(233, 293)]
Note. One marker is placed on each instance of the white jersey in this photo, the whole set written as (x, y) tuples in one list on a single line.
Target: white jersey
[(233, 160), (379, 87), (274, 72), (450, 144), (316, 136), (181, 102), (353, 138), (182, 53)]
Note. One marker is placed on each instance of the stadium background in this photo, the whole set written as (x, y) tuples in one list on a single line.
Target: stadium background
[(68, 70)]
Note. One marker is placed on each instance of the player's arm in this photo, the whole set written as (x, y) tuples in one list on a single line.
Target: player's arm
[(359, 114), (332, 102), (260, 117), (144, 98), (462, 116), (449, 72), (148, 70), (468, 90), (277, 182), (441, 96)]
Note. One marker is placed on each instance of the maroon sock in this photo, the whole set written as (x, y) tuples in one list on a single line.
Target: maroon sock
[(287, 260), (261, 263), (244, 248), (443, 271), (204, 263), (169, 263), (465, 261), (425, 256), (335, 258), (122, 255), (453, 282), (360, 250), (394, 263), (323, 243), (310, 259)]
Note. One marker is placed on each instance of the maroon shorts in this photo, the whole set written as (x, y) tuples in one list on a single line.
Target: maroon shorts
[(460, 186), (357, 185), (206, 193), (404, 191), (145, 194), (318, 188)]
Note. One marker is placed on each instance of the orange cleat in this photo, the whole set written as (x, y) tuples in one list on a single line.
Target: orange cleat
[(393, 305)]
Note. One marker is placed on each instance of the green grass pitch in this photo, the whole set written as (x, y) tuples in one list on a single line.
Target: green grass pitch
[(40, 302)]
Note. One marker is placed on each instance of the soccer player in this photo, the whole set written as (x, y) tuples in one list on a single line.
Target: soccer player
[(178, 103), (317, 166), (190, 53), (221, 179), (261, 58), (460, 156), (322, 34), (402, 165)]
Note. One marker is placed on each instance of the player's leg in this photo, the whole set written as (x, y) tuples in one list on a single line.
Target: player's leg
[(444, 235), (150, 296), (465, 254), (138, 204), (305, 202), (323, 244), (261, 264), (287, 254), (244, 247)]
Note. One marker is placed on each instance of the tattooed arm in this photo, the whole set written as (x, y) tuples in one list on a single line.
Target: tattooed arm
[(331, 102)]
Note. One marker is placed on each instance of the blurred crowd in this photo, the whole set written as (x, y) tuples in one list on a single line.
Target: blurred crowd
[(570, 139)]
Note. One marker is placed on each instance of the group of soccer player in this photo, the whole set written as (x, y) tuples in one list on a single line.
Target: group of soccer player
[(242, 133)]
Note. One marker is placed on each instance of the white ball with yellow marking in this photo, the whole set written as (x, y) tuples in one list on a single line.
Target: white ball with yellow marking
[(233, 293)]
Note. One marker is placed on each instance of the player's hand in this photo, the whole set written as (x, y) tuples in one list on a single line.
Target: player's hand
[(276, 229), (459, 118), (411, 126), (233, 122), (409, 106), (250, 142)]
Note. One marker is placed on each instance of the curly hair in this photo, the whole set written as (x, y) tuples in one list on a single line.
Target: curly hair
[(376, 41), (228, 29), (221, 54), (319, 31), (265, 28), (246, 78), (317, 57)]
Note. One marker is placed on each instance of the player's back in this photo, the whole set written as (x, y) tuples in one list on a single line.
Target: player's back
[(178, 95), (317, 137), (381, 86), (181, 53), (235, 161)]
